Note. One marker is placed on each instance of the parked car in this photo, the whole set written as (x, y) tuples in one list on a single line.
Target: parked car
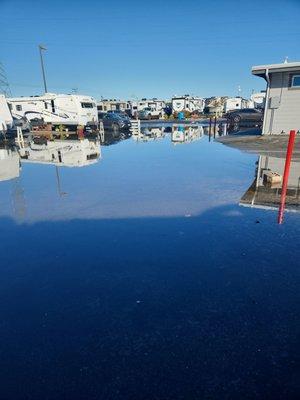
[(149, 113), (121, 114), (245, 115), (114, 122)]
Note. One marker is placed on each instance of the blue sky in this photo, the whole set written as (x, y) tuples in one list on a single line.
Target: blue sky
[(129, 49)]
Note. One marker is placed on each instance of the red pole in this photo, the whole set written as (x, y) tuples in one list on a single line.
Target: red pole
[(288, 159)]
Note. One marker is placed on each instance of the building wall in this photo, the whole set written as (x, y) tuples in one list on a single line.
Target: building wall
[(287, 115)]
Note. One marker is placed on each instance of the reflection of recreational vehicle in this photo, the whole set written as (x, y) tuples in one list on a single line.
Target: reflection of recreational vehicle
[(67, 153), (58, 109), (9, 164), (6, 119), (186, 134), (265, 191), (187, 103), (149, 134)]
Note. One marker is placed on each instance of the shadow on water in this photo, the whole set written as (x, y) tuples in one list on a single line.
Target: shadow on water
[(150, 308)]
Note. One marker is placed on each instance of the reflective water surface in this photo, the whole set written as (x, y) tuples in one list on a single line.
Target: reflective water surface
[(147, 266)]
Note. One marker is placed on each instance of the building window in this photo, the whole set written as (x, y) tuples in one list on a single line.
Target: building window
[(18, 107), (296, 81), (100, 108)]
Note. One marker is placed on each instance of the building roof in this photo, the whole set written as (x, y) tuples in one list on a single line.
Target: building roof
[(260, 70)]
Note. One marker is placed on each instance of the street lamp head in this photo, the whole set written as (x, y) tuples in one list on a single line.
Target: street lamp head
[(42, 47)]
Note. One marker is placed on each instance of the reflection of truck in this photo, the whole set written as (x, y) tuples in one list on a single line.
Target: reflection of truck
[(58, 109)]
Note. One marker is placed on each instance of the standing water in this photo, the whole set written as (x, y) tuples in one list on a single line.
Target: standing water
[(147, 268)]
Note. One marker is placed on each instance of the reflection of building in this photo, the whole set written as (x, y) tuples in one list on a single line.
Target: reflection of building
[(282, 98), (68, 153), (9, 164), (265, 190), (186, 134)]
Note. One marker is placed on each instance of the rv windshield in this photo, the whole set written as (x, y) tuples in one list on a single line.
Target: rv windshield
[(87, 105)]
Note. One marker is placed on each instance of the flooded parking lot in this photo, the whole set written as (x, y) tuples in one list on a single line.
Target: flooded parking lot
[(150, 266)]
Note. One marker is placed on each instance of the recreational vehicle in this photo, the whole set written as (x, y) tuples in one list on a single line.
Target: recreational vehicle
[(187, 103), (58, 109), (236, 103), (282, 98), (6, 119)]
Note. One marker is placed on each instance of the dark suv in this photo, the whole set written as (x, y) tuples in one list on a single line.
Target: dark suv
[(245, 115), (115, 122)]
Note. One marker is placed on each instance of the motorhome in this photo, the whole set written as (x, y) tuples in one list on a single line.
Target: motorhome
[(6, 119), (149, 107), (67, 153), (58, 109), (187, 103)]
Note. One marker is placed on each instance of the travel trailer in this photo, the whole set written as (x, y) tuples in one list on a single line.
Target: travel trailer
[(236, 103), (105, 105), (65, 153), (282, 97), (58, 109), (258, 99), (215, 105), (6, 120), (187, 103)]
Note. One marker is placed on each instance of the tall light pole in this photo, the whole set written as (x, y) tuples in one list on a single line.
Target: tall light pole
[(41, 48)]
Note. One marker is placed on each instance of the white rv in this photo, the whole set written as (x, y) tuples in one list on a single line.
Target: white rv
[(236, 103), (6, 119), (58, 109), (187, 103)]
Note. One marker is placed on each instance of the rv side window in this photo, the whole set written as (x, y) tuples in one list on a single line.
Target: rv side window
[(46, 106), (18, 107), (296, 81), (87, 105)]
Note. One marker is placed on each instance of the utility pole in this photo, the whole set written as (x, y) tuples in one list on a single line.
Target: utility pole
[(4, 85), (41, 48)]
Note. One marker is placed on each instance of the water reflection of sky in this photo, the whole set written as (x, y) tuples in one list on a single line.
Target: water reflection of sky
[(134, 179)]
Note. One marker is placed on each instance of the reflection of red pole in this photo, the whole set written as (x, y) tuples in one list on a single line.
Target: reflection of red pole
[(288, 159)]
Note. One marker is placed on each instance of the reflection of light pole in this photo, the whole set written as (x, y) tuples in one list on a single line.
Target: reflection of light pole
[(60, 192), (41, 48)]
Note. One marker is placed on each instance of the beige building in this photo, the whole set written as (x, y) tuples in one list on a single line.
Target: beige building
[(282, 106)]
